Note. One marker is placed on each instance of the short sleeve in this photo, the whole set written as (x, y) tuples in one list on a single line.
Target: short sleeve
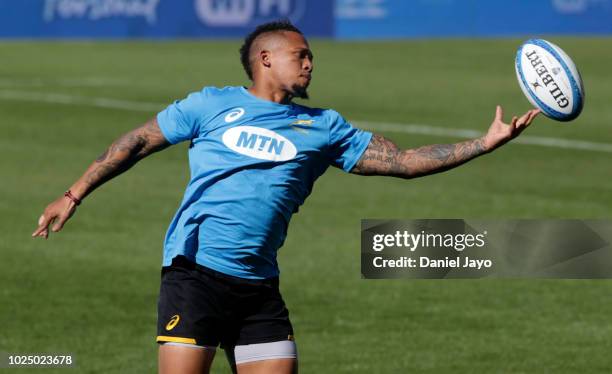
[(180, 121), (346, 143)]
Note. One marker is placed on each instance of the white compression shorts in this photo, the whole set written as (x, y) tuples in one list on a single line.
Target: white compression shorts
[(265, 351), (254, 352)]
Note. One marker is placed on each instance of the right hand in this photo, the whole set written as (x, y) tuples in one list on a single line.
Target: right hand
[(56, 214)]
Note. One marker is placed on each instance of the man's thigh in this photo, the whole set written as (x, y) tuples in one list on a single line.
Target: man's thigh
[(275, 357), (175, 359), (276, 366)]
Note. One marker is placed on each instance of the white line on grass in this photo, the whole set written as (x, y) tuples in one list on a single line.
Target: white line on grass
[(63, 82), (101, 102)]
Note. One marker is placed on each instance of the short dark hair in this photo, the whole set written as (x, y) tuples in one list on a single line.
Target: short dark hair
[(275, 26)]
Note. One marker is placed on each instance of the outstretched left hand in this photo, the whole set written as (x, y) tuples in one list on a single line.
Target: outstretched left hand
[(500, 133)]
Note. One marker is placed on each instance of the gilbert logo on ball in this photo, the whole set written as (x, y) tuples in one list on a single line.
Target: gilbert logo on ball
[(550, 80)]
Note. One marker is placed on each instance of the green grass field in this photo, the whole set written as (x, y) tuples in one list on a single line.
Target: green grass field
[(92, 289)]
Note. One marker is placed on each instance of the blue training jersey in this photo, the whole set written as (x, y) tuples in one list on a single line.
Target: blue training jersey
[(253, 163)]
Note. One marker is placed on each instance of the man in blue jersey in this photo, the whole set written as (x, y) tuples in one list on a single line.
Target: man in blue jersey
[(254, 156)]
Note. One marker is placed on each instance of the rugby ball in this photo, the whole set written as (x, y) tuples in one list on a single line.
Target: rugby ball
[(550, 80)]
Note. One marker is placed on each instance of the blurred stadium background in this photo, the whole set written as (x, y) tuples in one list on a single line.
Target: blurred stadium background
[(75, 74)]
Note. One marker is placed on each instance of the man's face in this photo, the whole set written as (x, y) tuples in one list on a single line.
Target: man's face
[(291, 64)]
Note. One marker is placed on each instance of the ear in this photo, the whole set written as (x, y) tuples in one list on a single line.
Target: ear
[(265, 57)]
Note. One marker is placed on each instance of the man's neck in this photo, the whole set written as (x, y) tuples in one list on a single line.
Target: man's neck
[(269, 93)]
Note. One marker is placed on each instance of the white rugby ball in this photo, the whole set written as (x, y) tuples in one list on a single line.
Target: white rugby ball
[(550, 80)]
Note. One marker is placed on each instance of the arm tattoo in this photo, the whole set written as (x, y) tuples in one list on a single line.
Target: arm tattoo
[(124, 153), (383, 157)]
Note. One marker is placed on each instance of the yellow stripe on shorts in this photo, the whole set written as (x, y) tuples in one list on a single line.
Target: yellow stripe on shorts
[(174, 339)]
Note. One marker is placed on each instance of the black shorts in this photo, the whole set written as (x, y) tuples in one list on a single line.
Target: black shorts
[(201, 306)]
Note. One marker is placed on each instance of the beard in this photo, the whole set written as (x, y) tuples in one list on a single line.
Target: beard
[(300, 92)]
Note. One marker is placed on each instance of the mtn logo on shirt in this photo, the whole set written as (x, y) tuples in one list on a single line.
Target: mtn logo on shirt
[(259, 143)]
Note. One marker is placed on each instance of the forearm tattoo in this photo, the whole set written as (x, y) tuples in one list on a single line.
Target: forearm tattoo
[(125, 152), (383, 157)]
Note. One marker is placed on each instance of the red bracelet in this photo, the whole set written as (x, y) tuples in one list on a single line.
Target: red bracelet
[(74, 199)]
